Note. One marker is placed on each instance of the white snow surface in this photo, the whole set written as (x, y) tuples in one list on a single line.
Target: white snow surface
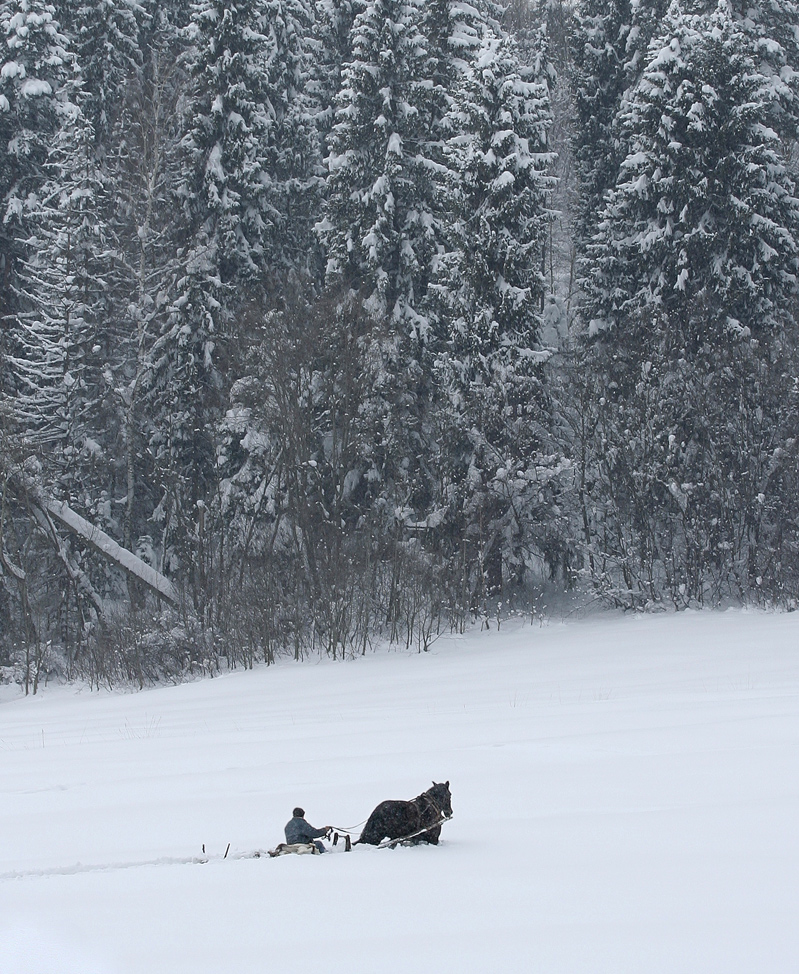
[(625, 796)]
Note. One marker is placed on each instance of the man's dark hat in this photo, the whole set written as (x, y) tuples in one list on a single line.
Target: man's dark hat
[(298, 813)]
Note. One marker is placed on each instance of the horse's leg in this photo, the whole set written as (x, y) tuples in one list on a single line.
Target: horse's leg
[(432, 835)]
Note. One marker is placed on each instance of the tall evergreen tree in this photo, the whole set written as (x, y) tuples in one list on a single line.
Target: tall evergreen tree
[(105, 39), (771, 26), (226, 144), (63, 286), (599, 83), (701, 228), (691, 296), (489, 284), (488, 292), (144, 166), (332, 49), (378, 228), (454, 33), (35, 87), (104, 36), (295, 165), (242, 149), (608, 48)]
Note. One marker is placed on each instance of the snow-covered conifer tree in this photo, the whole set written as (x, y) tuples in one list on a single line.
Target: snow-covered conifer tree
[(77, 261), (489, 284), (63, 284), (144, 166), (224, 194), (690, 295), (599, 82), (332, 49), (771, 26), (608, 48), (454, 32), (377, 228), (243, 151), (104, 36), (488, 291), (36, 78), (701, 227), (295, 165)]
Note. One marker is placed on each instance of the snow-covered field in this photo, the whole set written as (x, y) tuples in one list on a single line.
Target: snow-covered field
[(625, 795)]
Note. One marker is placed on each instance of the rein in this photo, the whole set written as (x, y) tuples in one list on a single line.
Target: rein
[(350, 828)]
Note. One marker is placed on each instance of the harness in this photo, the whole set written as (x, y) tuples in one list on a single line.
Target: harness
[(431, 804)]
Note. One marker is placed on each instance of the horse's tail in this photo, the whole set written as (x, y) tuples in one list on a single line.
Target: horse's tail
[(368, 834)]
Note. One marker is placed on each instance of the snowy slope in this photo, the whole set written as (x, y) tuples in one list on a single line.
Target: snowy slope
[(626, 799)]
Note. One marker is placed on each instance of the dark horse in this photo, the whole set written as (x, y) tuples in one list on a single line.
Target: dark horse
[(396, 820)]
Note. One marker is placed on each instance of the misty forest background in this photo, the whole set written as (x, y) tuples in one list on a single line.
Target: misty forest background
[(332, 322)]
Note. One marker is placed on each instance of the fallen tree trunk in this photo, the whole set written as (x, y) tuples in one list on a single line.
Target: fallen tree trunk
[(105, 545), (46, 510), (75, 572)]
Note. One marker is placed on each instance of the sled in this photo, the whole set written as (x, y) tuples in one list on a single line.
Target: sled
[(294, 848)]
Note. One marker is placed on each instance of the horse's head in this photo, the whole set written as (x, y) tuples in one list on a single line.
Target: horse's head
[(440, 795)]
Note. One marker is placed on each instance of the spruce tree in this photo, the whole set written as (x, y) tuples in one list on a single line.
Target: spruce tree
[(377, 227), (608, 51), (145, 166), (454, 33), (36, 78), (488, 292), (104, 36), (599, 83), (690, 296), (701, 227), (63, 285), (332, 49), (489, 284), (294, 160), (243, 153), (224, 192), (771, 26), (106, 42)]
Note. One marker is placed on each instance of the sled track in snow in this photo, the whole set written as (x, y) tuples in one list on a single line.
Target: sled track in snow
[(80, 867), (201, 860)]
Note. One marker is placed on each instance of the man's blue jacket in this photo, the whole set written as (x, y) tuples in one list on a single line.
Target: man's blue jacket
[(298, 830)]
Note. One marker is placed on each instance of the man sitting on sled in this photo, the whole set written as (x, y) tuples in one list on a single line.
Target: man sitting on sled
[(299, 831)]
